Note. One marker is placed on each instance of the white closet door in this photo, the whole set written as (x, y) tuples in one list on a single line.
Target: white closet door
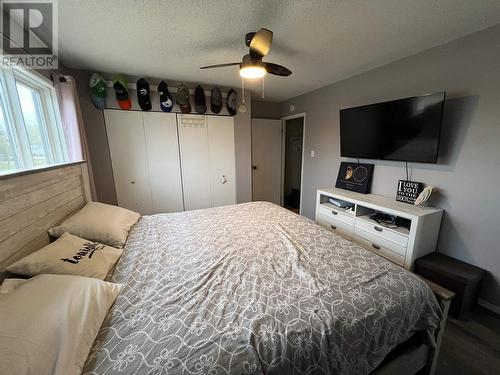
[(222, 160), (163, 157), (193, 143), (127, 147)]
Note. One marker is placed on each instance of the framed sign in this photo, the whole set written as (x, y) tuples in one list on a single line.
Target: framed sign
[(355, 177), (408, 191)]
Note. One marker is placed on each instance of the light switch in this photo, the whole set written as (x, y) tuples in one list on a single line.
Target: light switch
[(312, 153)]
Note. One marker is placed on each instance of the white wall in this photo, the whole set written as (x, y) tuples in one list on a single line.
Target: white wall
[(468, 172), (269, 110)]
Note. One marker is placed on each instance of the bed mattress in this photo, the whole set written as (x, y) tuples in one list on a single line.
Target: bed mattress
[(254, 289)]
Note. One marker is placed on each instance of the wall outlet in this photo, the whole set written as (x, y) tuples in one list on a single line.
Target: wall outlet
[(312, 153)]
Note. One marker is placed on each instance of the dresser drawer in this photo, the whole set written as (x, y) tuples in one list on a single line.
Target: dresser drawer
[(378, 240), (340, 216), (380, 250), (384, 233), (335, 225)]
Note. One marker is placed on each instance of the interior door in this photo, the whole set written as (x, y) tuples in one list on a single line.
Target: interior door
[(127, 146), (222, 160), (163, 157), (193, 143), (266, 160)]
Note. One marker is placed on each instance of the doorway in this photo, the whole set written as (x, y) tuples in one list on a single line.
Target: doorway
[(292, 155), (277, 158), (266, 160)]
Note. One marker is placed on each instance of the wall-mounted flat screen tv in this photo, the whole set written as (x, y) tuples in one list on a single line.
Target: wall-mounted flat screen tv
[(405, 129)]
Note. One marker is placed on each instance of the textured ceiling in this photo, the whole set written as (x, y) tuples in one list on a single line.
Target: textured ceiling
[(321, 41)]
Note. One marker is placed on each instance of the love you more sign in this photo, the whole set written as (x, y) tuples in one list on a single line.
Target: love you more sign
[(408, 191)]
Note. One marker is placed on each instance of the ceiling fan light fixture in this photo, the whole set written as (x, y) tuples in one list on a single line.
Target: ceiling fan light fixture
[(252, 71), (251, 65)]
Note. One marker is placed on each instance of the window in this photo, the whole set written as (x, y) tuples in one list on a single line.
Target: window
[(31, 134)]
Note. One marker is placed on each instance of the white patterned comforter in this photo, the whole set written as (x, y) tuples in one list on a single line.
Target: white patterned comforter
[(254, 289)]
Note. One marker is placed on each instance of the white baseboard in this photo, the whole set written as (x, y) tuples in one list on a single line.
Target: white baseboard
[(489, 306)]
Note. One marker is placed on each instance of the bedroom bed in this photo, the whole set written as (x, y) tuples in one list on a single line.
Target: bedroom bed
[(254, 288), (244, 289)]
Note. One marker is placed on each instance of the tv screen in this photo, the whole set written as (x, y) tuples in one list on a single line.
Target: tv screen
[(405, 129)]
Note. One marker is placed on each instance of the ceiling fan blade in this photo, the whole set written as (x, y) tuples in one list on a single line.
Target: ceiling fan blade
[(261, 43), (276, 69), (219, 65)]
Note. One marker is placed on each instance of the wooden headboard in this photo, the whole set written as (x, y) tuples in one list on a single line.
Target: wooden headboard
[(33, 202)]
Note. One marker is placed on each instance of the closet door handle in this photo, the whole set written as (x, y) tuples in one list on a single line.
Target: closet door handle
[(333, 227), (378, 229), (132, 182), (334, 212), (375, 246)]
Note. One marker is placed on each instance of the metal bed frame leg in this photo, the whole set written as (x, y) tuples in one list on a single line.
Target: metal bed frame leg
[(445, 305)]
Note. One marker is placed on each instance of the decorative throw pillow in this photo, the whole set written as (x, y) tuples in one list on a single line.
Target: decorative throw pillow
[(49, 323), (69, 255), (101, 223)]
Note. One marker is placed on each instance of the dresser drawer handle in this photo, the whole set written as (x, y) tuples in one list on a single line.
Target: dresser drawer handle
[(334, 212), (333, 227), (375, 246), (378, 229)]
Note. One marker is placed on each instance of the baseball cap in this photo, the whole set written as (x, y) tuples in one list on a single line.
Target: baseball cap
[(216, 100), (231, 102), (166, 100), (98, 91), (183, 99), (121, 92), (143, 94), (200, 102)]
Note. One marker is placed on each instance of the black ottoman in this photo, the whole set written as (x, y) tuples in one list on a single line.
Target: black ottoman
[(462, 278)]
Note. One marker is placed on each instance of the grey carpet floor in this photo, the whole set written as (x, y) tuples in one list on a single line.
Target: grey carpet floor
[(472, 346)]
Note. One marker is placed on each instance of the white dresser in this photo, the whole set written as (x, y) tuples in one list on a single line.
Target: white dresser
[(400, 245)]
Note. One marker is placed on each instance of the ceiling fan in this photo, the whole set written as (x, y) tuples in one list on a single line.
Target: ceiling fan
[(252, 65)]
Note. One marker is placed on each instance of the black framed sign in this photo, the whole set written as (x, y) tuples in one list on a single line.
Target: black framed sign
[(408, 191), (355, 177)]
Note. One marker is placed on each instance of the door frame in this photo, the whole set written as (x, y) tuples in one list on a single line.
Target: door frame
[(283, 135)]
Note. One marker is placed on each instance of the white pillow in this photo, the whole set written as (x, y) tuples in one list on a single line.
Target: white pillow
[(8, 285), (49, 322), (69, 255), (99, 222)]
